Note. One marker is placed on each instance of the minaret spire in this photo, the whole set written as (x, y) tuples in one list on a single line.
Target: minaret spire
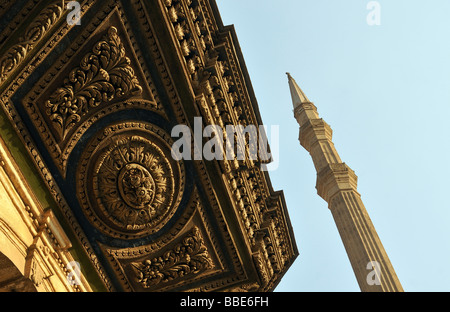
[(337, 185), (298, 97)]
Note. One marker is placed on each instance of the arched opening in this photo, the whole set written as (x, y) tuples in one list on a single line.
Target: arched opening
[(11, 279)]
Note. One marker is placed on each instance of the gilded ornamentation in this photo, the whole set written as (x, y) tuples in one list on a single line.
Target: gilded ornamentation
[(136, 186), (130, 184), (214, 69), (103, 75), (186, 258), (33, 34)]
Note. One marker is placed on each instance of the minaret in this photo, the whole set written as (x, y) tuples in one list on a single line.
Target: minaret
[(336, 184)]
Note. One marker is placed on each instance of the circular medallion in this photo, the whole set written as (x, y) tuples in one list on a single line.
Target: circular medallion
[(129, 185), (136, 186)]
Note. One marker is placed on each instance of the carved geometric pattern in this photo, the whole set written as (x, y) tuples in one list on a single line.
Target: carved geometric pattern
[(187, 258), (104, 74)]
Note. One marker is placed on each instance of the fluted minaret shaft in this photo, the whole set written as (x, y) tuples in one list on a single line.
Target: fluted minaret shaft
[(337, 185)]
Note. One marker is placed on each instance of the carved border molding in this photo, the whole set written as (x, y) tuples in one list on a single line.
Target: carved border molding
[(18, 124), (193, 219), (103, 77), (35, 239), (32, 35)]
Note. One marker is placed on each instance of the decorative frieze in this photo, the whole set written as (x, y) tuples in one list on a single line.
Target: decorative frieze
[(190, 257), (32, 35)]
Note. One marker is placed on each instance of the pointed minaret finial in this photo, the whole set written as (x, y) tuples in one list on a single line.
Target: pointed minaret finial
[(298, 97), (337, 185)]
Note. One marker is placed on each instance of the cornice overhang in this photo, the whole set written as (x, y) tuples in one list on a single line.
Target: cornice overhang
[(79, 95)]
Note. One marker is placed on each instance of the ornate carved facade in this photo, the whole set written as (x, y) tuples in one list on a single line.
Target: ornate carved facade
[(86, 118)]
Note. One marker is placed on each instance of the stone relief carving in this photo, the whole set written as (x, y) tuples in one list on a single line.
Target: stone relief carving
[(136, 184), (129, 184), (187, 258), (33, 34), (103, 75), (132, 183)]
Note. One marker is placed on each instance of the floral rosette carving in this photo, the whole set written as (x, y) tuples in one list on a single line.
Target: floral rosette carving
[(129, 185)]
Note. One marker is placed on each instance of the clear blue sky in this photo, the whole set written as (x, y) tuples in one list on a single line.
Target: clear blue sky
[(385, 91)]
